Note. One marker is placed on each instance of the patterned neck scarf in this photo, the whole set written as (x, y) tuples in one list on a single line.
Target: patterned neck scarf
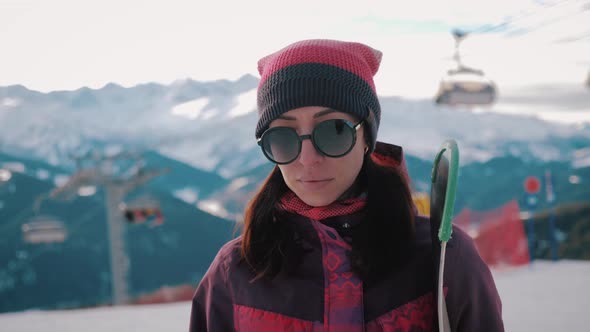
[(291, 203)]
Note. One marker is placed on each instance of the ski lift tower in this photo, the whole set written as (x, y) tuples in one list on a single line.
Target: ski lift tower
[(116, 187)]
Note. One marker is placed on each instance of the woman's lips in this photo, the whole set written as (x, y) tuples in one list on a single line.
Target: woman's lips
[(313, 185)]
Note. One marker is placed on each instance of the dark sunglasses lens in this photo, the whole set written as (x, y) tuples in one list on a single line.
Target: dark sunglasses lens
[(281, 145), (334, 138)]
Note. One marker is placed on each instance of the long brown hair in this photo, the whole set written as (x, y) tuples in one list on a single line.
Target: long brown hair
[(380, 243)]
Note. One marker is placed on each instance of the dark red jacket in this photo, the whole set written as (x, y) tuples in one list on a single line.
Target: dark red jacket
[(325, 295), (226, 300)]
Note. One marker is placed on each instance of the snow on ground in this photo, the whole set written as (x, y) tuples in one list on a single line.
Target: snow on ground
[(145, 318), (542, 297), (546, 296)]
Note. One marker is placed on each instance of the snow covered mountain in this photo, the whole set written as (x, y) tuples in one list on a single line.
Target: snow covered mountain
[(210, 125)]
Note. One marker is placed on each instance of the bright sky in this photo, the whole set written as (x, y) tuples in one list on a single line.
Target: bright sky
[(67, 44)]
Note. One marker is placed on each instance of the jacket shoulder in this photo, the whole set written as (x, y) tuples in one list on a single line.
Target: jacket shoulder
[(230, 252), (460, 242)]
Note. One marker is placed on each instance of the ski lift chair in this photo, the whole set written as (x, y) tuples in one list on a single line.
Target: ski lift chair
[(142, 209), (44, 229), (466, 86)]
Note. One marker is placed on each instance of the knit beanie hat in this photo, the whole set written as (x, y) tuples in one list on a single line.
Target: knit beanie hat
[(328, 73)]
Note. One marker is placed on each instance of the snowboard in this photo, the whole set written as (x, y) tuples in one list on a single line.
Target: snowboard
[(442, 202)]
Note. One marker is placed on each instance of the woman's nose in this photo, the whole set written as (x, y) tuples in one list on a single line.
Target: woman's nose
[(309, 155)]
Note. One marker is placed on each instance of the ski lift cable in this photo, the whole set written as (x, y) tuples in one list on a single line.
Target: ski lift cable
[(460, 34), (554, 20), (513, 19)]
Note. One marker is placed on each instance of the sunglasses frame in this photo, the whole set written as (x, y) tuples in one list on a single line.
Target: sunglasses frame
[(301, 138)]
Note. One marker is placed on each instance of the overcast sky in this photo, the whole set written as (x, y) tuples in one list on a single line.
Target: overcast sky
[(62, 44)]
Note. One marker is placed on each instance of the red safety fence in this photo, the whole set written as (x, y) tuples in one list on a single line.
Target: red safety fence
[(499, 234)]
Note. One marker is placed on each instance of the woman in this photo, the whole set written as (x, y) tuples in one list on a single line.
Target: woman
[(331, 241)]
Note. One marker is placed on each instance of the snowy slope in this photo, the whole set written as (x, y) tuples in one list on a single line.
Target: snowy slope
[(546, 296), (543, 297)]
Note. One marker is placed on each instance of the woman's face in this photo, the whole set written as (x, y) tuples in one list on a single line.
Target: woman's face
[(316, 179)]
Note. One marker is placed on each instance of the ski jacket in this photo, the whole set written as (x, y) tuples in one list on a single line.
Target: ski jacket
[(326, 296)]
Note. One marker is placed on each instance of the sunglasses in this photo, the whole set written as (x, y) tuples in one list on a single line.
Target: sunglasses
[(331, 138)]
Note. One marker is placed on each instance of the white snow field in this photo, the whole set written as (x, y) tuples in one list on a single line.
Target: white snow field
[(544, 296)]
